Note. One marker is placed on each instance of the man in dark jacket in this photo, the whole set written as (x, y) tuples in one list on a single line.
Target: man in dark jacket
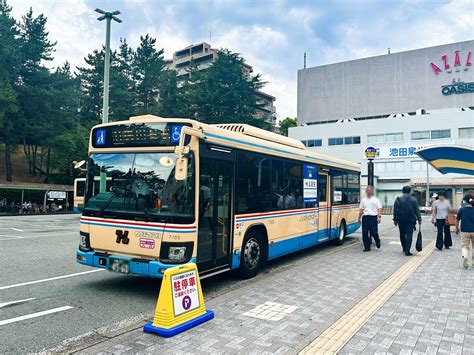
[(405, 214)]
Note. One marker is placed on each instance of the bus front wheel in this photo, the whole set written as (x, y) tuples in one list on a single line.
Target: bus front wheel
[(252, 255), (342, 234)]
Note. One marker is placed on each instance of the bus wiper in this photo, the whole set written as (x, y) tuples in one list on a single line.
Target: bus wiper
[(114, 194)]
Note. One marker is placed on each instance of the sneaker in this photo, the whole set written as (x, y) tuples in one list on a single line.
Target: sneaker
[(464, 263)]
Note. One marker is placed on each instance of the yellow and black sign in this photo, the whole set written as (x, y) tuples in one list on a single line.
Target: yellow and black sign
[(180, 303)]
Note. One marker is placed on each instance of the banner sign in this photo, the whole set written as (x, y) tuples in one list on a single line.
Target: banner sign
[(310, 183), (185, 292), (396, 151)]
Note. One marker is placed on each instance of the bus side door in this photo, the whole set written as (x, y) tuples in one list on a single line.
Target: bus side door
[(324, 207)]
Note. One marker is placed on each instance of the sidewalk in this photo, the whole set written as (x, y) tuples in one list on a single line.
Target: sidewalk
[(433, 312), (287, 310)]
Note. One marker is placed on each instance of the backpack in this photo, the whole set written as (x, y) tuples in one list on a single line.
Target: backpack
[(405, 211)]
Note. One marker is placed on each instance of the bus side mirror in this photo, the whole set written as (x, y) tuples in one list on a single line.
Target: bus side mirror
[(181, 169)]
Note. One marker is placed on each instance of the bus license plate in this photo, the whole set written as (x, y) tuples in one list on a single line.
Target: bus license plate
[(119, 265)]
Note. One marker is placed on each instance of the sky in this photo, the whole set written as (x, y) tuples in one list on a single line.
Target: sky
[(272, 36)]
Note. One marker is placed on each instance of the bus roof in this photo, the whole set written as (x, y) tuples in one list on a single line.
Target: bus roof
[(250, 138)]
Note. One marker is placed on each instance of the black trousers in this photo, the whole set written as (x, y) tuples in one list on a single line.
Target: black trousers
[(406, 234), (443, 229), (369, 224)]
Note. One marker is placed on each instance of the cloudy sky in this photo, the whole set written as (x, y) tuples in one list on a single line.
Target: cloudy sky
[(271, 35)]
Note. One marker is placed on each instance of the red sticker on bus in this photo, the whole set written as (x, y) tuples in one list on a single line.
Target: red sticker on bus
[(147, 243)]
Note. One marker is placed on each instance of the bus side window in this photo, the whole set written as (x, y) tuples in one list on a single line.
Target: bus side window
[(322, 185)]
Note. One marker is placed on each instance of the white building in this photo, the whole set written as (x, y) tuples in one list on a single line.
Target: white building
[(394, 103)]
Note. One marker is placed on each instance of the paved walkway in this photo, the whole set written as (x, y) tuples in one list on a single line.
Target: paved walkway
[(285, 311)]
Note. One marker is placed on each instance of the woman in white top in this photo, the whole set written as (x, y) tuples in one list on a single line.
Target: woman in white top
[(439, 212)]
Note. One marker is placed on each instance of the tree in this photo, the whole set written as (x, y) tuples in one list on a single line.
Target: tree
[(9, 71), (148, 64), (225, 93), (286, 124), (35, 94)]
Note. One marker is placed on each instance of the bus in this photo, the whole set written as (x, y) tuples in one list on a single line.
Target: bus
[(226, 196), (79, 190)]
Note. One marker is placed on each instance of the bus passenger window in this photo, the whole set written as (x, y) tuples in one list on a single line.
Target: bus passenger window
[(322, 186)]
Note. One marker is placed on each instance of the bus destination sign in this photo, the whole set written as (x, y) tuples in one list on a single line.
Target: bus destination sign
[(137, 135)]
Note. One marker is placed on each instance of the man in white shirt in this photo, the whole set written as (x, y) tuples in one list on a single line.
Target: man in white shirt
[(370, 213)]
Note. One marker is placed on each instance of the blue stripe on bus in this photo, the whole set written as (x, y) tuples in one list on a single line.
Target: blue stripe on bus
[(294, 244), (156, 229), (276, 150), (240, 219)]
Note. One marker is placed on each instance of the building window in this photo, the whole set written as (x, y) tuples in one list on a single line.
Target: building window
[(419, 135), (440, 134), (313, 143), (436, 134), (389, 167), (344, 140), (467, 132), (418, 165), (384, 138)]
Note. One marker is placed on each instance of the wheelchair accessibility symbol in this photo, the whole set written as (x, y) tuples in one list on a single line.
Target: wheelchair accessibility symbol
[(186, 302), (175, 133)]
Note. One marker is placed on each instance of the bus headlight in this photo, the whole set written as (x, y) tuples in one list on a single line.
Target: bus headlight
[(177, 253), (84, 242)]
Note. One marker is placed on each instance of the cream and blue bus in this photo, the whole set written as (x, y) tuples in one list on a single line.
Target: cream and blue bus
[(227, 196)]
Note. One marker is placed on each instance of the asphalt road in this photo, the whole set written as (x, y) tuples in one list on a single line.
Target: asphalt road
[(46, 297)]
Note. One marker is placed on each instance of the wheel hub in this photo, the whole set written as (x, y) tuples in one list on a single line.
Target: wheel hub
[(252, 253)]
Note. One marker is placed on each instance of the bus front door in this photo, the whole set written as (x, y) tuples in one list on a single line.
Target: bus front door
[(324, 207), (214, 230)]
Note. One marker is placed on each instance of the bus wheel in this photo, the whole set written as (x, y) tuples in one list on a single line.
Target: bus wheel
[(252, 255), (342, 234)]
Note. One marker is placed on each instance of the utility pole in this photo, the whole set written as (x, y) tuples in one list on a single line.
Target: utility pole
[(304, 61), (108, 17)]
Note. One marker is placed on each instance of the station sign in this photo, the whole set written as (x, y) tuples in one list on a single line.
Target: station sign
[(401, 151), (57, 195), (370, 153)]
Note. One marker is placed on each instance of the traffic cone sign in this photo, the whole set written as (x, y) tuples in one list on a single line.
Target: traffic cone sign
[(180, 303)]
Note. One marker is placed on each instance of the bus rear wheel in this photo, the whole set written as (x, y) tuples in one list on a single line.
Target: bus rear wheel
[(252, 254), (342, 234)]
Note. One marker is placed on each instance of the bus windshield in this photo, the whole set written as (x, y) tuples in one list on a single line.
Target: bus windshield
[(140, 186)]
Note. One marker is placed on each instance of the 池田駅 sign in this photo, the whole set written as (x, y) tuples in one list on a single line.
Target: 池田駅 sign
[(396, 151)]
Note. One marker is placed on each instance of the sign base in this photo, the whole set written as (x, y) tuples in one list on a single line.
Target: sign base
[(169, 332)]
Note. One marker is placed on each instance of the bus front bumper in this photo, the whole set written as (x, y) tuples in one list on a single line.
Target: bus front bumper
[(147, 268)]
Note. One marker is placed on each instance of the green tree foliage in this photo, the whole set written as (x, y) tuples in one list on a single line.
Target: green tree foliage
[(286, 124), (50, 111), (9, 71), (225, 92)]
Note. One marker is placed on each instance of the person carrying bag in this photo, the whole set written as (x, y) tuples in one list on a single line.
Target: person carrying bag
[(419, 241)]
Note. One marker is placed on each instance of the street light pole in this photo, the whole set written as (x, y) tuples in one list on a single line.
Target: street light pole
[(108, 16)]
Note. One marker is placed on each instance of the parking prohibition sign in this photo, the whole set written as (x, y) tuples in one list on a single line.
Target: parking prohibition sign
[(185, 292)]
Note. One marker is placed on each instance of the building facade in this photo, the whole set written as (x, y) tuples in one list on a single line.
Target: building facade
[(203, 55), (395, 103)]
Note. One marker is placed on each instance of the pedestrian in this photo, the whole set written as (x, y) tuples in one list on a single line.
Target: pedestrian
[(405, 214), (370, 213), (465, 216), (439, 213)]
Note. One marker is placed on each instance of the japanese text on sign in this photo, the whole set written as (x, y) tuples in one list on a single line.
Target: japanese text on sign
[(185, 292)]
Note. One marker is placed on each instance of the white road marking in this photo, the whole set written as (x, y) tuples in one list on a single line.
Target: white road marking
[(15, 302), (34, 315), (16, 229), (50, 279), (11, 237)]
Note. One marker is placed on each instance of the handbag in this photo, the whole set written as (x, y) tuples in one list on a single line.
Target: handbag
[(451, 219), (419, 241)]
